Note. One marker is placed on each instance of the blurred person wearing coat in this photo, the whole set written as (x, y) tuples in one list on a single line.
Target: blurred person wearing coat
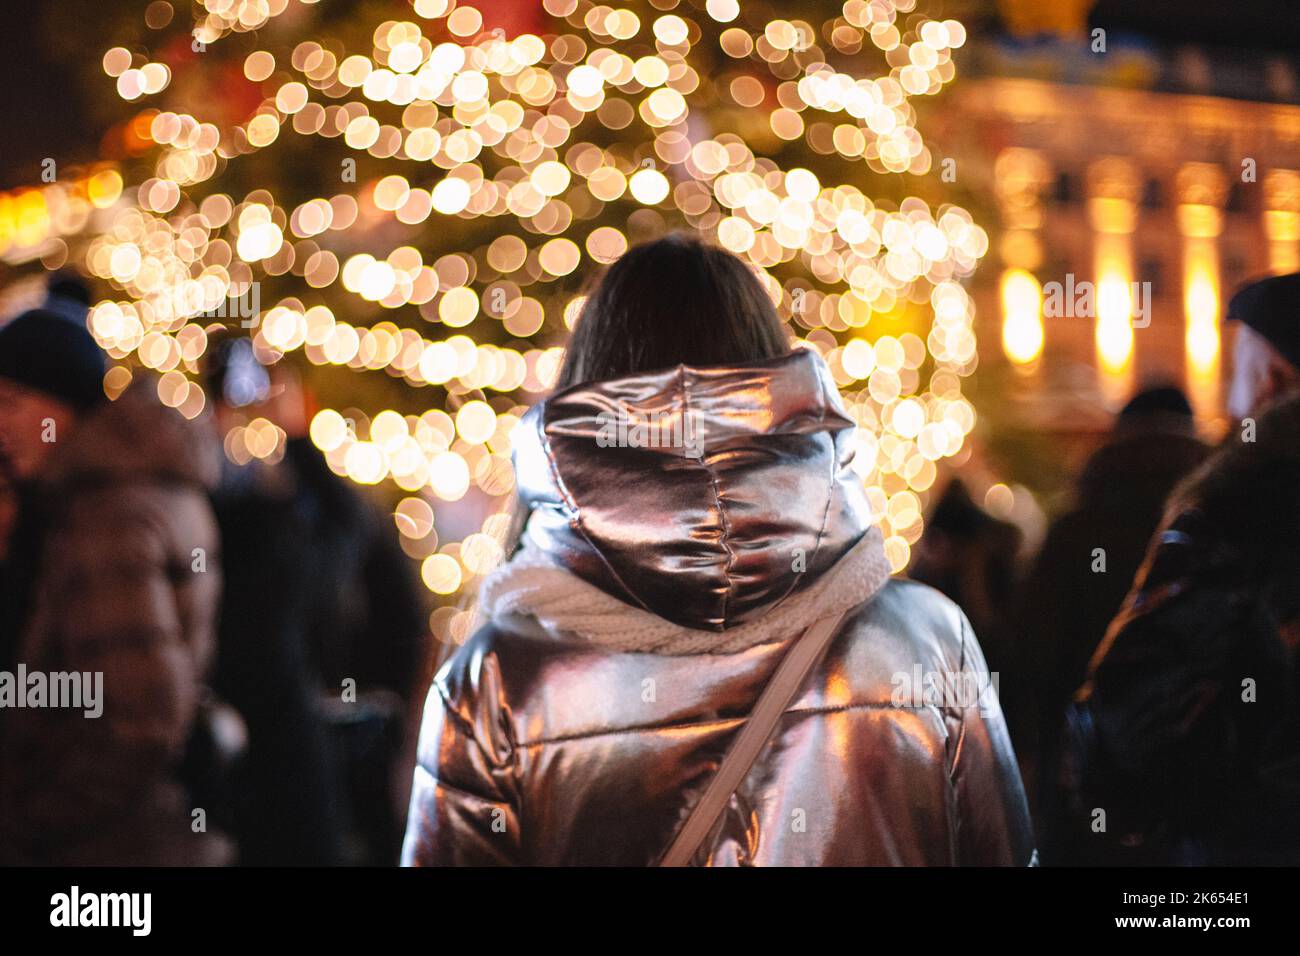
[(112, 566), (969, 555), (660, 580), (1184, 740), (317, 593), (1068, 599)]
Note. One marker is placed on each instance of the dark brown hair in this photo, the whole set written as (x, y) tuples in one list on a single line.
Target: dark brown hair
[(674, 301)]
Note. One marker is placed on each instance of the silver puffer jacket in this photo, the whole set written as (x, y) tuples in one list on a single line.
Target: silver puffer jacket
[(684, 527)]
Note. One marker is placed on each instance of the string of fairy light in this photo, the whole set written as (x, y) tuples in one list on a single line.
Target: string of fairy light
[(671, 116)]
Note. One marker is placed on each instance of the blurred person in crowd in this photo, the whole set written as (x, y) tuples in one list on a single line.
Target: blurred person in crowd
[(322, 635), (688, 511), (1088, 560), (109, 569), (1184, 735), (970, 556)]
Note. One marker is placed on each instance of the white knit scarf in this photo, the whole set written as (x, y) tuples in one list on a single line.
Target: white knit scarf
[(532, 584)]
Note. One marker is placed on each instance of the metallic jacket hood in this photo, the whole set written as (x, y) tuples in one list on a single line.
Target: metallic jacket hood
[(703, 495)]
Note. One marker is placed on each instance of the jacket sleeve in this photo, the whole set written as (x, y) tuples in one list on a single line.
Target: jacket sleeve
[(464, 807), (108, 603), (993, 827)]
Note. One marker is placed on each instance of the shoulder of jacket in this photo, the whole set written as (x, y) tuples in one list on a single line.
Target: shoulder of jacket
[(476, 666), (917, 608), (904, 626)]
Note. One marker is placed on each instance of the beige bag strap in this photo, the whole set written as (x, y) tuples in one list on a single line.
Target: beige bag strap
[(753, 736)]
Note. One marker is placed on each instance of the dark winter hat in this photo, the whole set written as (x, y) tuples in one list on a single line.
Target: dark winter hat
[(1272, 308), (957, 514), (1160, 400), (52, 353), (1158, 408)]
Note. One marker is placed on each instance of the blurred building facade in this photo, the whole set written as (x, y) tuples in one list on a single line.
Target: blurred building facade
[(1134, 170)]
